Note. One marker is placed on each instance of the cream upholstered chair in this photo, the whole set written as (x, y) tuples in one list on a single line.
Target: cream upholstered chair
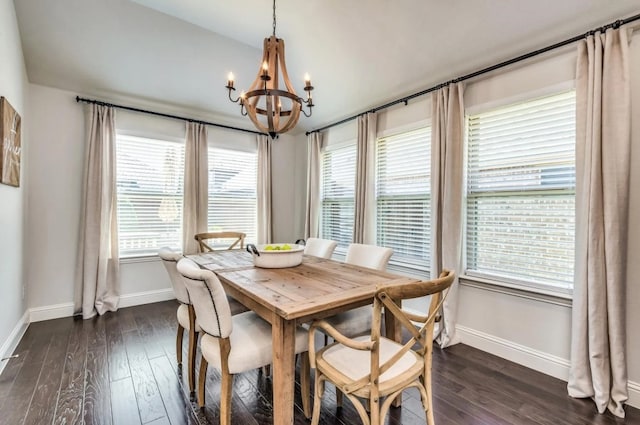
[(232, 344), (186, 314), (322, 248), (358, 321), (232, 239), (373, 367)]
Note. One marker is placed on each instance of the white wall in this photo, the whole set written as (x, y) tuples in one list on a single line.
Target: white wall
[(13, 86), (55, 196)]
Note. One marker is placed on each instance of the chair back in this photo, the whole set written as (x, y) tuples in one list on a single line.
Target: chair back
[(211, 241), (371, 256), (387, 296), (170, 260), (208, 298), (322, 248)]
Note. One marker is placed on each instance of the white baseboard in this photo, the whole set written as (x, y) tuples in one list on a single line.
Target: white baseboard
[(529, 357), (634, 394), (50, 312), (147, 297), (13, 339), (58, 311)]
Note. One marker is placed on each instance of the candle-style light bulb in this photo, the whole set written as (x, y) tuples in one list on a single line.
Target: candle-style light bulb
[(265, 68), (230, 80), (307, 80), (243, 97)]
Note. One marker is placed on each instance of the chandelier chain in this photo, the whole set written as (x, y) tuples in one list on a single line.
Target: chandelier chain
[(274, 18)]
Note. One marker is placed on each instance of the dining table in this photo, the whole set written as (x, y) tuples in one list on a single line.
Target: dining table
[(288, 297)]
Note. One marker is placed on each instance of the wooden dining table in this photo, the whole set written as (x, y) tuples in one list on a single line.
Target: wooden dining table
[(288, 297)]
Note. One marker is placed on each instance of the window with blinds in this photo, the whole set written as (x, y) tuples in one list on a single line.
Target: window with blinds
[(521, 193), (403, 209), (233, 192), (338, 191), (149, 181)]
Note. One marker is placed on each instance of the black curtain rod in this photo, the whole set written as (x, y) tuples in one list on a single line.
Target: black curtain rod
[(406, 99), (161, 114)]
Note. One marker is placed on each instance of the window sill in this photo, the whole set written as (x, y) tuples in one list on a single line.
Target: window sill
[(151, 258), (563, 299)]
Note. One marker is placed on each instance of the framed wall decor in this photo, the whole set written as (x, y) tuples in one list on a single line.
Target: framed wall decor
[(10, 148)]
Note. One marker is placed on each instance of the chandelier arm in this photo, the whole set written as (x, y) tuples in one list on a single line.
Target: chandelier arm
[(305, 113)]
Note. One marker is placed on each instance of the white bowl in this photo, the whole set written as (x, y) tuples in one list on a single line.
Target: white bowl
[(276, 259)]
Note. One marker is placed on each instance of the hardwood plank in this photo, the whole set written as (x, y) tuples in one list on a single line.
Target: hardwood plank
[(71, 395), (116, 351), (97, 399), (146, 389), (43, 404), (179, 411), (123, 403)]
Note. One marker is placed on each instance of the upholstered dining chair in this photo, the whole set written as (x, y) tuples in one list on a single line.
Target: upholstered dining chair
[(230, 240), (358, 321), (373, 367), (322, 248), (186, 314), (232, 344)]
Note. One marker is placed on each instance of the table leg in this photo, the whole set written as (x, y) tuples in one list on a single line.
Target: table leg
[(393, 330), (283, 374)]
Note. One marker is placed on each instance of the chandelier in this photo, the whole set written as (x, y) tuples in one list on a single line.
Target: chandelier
[(270, 108)]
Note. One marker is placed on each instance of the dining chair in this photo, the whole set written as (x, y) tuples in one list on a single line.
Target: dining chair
[(358, 321), (322, 248), (185, 314), (373, 367), (229, 240), (233, 344)]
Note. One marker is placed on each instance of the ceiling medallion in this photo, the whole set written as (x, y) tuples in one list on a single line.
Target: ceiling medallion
[(271, 109)]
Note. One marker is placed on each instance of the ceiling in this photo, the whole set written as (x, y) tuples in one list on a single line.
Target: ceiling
[(359, 54)]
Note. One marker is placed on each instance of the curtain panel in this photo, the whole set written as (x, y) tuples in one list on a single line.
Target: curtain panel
[(447, 191), (364, 215), (603, 143), (194, 209), (98, 267), (314, 154), (264, 189)]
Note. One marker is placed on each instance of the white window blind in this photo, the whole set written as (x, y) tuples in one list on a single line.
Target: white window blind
[(149, 180), (403, 179), (232, 192), (338, 191), (521, 192)]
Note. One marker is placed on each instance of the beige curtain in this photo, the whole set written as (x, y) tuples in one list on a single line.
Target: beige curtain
[(264, 189), (447, 189), (312, 219), (598, 364), (194, 209), (97, 274), (364, 219)]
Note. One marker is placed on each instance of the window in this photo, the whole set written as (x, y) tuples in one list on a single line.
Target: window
[(149, 182), (403, 179), (232, 192), (338, 191), (521, 193)]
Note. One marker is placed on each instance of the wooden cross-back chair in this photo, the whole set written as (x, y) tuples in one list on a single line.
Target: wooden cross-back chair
[(235, 238), (373, 367)]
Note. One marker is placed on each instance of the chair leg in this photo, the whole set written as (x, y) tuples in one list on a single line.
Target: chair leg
[(193, 348), (428, 402), (179, 338), (305, 391), (317, 398), (338, 398), (374, 410), (202, 379), (225, 398)]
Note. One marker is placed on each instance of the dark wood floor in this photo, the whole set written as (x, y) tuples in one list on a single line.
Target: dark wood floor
[(121, 369)]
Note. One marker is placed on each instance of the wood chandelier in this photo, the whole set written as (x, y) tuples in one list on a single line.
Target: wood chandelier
[(270, 108)]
